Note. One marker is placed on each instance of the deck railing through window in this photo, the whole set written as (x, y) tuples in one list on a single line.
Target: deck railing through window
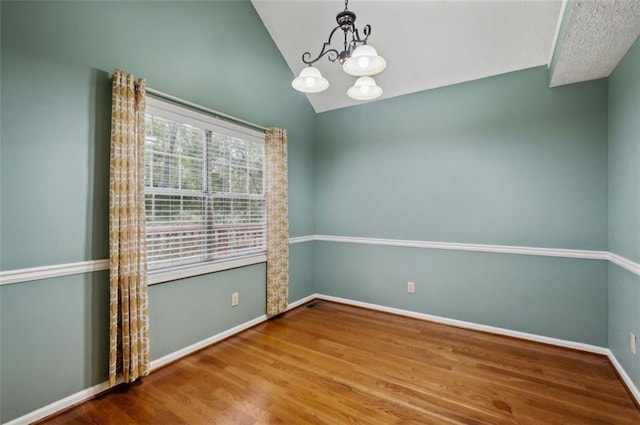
[(171, 246)]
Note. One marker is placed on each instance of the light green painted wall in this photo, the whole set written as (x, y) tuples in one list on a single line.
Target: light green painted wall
[(55, 110), (624, 156), (554, 297), (54, 340), (56, 106), (624, 207), (624, 317), (187, 311), (503, 160), (302, 257)]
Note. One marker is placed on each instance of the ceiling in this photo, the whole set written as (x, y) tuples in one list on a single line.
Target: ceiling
[(599, 34), (429, 44)]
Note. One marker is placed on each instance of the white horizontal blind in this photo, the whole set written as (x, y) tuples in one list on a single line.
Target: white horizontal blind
[(204, 188)]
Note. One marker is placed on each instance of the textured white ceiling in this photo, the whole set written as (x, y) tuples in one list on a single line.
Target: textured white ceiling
[(599, 33), (427, 44)]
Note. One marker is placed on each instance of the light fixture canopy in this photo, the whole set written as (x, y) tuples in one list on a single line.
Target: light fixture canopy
[(364, 61), (365, 88), (310, 80), (357, 58)]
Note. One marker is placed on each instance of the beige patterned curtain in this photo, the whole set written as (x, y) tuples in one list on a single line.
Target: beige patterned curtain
[(129, 318), (277, 221)]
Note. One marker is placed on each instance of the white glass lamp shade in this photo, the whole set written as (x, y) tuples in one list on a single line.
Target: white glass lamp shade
[(364, 61), (365, 88), (310, 80)]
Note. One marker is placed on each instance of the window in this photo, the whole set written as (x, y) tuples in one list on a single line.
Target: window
[(204, 188)]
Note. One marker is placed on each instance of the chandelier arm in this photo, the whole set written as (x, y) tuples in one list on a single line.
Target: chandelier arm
[(356, 35), (332, 53), (356, 40)]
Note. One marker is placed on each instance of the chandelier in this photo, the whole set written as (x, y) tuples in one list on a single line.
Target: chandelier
[(357, 58)]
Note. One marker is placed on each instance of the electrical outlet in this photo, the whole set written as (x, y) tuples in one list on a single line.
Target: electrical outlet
[(411, 287), (234, 299), (632, 341)]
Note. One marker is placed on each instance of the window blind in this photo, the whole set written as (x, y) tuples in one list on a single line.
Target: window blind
[(204, 188)]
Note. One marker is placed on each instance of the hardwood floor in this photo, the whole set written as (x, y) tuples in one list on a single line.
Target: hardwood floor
[(336, 364)]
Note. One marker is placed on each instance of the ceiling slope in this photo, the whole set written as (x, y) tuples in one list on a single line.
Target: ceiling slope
[(597, 36), (427, 44)]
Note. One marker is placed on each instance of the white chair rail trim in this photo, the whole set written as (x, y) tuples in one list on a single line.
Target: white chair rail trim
[(500, 249), (9, 277), (44, 272)]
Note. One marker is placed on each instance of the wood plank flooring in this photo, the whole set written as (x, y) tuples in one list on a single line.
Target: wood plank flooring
[(336, 364)]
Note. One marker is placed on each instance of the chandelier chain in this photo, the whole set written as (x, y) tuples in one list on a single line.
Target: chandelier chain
[(346, 23)]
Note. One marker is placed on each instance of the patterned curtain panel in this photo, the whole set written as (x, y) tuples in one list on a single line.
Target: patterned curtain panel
[(277, 221), (129, 318)]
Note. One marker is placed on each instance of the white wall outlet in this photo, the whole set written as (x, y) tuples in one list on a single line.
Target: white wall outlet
[(234, 299), (411, 287), (632, 342)]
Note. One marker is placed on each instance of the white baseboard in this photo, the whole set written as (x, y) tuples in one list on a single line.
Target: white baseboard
[(60, 405), (470, 325), (88, 393), (301, 301), (635, 391), (162, 361), (176, 355)]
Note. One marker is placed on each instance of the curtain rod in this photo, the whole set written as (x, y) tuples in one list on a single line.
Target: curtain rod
[(205, 109), (202, 108)]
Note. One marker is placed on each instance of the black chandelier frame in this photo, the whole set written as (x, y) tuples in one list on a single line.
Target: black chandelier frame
[(346, 22)]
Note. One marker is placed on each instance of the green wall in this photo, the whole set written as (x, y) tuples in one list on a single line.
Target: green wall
[(503, 160), (54, 174), (624, 156), (54, 340), (553, 297), (624, 207), (56, 107)]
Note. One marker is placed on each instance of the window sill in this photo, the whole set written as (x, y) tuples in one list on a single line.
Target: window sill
[(162, 276)]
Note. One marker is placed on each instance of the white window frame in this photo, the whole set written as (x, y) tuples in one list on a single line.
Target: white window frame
[(171, 111)]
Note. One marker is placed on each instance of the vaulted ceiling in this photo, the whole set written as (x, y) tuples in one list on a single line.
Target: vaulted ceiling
[(429, 44)]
